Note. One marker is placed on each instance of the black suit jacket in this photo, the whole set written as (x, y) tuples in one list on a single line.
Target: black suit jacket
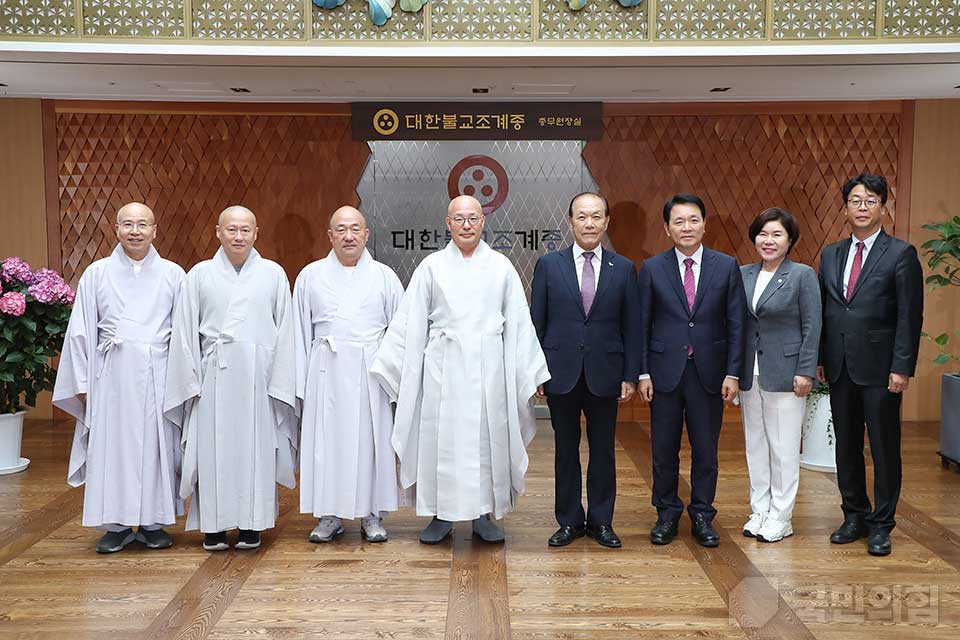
[(716, 326), (878, 331), (602, 344)]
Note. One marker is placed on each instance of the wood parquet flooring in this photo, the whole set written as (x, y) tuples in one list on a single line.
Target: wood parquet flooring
[(53, 584)]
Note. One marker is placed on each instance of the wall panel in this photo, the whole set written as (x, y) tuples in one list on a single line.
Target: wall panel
[(292, 170), (935, 196)]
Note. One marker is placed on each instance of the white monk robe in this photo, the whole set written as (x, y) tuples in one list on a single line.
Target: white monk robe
[(115, 352), (347, 465), (462, 359), (232, 370)]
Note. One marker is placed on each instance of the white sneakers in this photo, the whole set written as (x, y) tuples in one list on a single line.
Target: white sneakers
[(330, 527), (753, 525), (327, 529), (372, 529), (774, 530)]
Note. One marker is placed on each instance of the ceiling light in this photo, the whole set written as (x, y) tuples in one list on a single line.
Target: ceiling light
[(481, 89), (719, 89)]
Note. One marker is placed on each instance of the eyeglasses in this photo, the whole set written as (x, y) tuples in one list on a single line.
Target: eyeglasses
[(138, 226), (460, 220), (856, 203)]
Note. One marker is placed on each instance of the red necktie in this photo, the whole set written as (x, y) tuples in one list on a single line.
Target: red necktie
[(855, 271)]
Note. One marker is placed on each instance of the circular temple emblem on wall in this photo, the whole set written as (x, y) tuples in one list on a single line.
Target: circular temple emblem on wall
[(481, 177), (386, 122)]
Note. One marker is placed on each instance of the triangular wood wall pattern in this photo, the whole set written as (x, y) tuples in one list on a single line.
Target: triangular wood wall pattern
[(740, 164), (291, 170)]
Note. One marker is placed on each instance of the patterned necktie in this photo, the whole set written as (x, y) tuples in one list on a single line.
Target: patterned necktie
[(588, 285), (690, 288), (855, 271), (689, 283)]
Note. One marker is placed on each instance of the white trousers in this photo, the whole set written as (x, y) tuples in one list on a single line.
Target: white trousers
[(771, 427)]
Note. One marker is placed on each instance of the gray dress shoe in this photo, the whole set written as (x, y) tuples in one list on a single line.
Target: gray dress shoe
[(485, 529), (436, 532), (155, 539), (113, 541)]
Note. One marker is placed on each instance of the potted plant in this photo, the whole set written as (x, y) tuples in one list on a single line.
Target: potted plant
[(817, 443), (943, 255), (34, 311)]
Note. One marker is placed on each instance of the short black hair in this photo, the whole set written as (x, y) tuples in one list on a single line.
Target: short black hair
[(776, 214), (606, 206), (872, 182), (682, 198)]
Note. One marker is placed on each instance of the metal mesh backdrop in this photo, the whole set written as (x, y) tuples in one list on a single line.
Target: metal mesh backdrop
[(405, 189)]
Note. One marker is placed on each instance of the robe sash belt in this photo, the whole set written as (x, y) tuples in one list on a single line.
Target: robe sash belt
[(218, 347)]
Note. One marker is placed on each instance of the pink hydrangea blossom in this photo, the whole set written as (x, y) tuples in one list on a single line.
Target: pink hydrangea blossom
[(50, 287), (16, 270), (13, 303)]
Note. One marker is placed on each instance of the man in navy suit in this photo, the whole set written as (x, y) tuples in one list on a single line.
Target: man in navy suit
[(692, 320), (584, 307)]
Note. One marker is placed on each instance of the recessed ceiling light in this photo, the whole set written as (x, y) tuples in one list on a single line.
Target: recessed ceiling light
[(719, 89), (239, 89), (481, 89)]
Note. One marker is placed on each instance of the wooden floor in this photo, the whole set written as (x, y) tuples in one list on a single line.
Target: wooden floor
[(53, 585)]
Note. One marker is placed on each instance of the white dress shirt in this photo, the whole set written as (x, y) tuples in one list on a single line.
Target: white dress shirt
[(596, 261), (867, 245), (697, 260)]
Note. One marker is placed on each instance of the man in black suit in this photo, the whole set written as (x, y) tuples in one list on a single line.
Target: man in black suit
[(584, 307), (872, 289), (692, 317)]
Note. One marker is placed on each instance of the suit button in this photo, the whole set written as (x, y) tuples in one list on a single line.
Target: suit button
[(581, 347), (760, 353), (691, 324)]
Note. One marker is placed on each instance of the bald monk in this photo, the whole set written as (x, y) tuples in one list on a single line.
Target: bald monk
[(462, 360), (111, 378), (231, 384), (342, 305)]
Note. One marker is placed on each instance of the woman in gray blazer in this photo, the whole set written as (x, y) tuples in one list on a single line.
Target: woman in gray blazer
[(783, 335)]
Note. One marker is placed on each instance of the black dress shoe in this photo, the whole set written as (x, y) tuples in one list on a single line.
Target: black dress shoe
[(878, 544), (849, 531), (664, 531), (604, 536), (565, 535), (703, 532)]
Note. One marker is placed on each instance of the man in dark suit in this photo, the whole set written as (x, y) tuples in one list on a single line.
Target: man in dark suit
[(872, 290), (692, 319), (584, 307)]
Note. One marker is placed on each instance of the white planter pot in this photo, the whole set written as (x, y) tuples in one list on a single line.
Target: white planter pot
[(11, 432), (817, 449)]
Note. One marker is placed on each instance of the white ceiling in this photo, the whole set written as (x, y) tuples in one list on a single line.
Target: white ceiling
[(342, 74)]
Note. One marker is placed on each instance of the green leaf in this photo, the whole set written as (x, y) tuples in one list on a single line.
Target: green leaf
[(941, 359), (6, 376), (52, 329), (30, 325), (942, 339), (16, 356)]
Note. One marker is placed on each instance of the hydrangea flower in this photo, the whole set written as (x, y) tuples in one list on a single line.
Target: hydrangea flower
[(16, 270), (13, 303)]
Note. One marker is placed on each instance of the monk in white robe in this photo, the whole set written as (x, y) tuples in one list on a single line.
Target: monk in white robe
[(232, 375), (342, 305), (111, 378), (462, 360)]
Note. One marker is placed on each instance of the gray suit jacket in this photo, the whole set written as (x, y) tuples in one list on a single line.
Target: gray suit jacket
[(784, 329)]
